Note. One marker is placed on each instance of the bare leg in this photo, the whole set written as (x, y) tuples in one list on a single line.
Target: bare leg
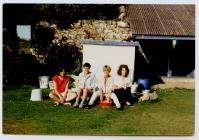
[(85, 93), (101, 94), (70, 96), (53, 96), (78, 97), (84, 96), (79, 93)]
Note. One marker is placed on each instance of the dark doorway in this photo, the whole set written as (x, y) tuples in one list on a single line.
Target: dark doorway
[(156, 52), (183, 58)]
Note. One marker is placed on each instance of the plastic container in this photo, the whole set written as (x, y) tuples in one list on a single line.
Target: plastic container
[(36, 95), (43, 81), (105, 103), (51, 85), (144, 83)]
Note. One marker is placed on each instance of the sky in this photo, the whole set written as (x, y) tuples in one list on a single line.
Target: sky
[(24, 31)]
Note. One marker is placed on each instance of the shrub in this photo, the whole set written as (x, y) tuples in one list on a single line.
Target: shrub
[(67, 56), (55, 54)]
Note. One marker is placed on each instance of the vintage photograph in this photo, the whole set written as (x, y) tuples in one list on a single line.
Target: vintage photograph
[(98, 69)]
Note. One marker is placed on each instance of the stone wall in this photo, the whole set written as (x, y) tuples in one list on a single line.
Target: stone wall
[(116, 29), (93, 30)]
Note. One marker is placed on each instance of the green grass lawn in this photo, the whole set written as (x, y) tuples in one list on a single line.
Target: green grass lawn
[(172, 114)]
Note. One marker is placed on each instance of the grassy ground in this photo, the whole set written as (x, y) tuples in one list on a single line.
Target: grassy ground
[(172, 114)]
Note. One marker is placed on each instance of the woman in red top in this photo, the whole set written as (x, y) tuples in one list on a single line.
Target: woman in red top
[(60, 93)]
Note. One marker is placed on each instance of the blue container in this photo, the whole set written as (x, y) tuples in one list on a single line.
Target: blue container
[(144, 83)]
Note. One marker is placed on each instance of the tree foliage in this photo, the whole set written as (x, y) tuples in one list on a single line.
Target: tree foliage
[(62, 15)]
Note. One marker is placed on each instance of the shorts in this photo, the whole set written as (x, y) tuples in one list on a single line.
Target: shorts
[(68, 94), (62, 94)]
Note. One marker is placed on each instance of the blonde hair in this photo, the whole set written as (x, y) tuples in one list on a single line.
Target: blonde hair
[(106, 67)]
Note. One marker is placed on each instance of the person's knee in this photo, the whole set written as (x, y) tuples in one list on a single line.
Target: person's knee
[(79, 91), (85, 90), (78, 94), (97, 93), (112, 96), (74, 95), (51, 95)]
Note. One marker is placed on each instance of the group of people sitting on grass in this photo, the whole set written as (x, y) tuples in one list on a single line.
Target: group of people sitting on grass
[(118, 88)]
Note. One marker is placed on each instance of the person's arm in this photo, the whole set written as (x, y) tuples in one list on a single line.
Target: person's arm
[(114, 86), (129, 82), (116, 83), (66, 91), (80, 81), (101, 94), (92, 82), (100, 86), (110, 89), (55, 89), (109, 95)]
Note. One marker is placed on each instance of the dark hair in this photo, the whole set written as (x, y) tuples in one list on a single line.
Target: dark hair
[(87, 65), (60, 69), (119, 71)]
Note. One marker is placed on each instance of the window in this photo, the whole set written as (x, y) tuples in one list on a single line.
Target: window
[(24, 32)]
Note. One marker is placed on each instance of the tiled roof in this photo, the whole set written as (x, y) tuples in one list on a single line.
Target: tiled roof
[(155, 19)]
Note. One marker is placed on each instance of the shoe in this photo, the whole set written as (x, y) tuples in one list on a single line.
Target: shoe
[(57, 104), (67, 103), (120, 109), (132, 106), (81, 105), (128, 103), (75, 105), (89, 106)]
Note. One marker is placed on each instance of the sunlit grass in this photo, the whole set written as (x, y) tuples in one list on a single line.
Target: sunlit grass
[(171, 114)]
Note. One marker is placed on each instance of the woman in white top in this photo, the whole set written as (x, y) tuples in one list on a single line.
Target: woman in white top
[(122, 86), (105, 88)]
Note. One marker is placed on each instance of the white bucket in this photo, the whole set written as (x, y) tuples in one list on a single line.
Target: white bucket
[(36, 95), (43, 81), (51, 85)]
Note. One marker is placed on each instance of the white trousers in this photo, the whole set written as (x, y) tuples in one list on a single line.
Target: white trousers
[(113, 97)]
